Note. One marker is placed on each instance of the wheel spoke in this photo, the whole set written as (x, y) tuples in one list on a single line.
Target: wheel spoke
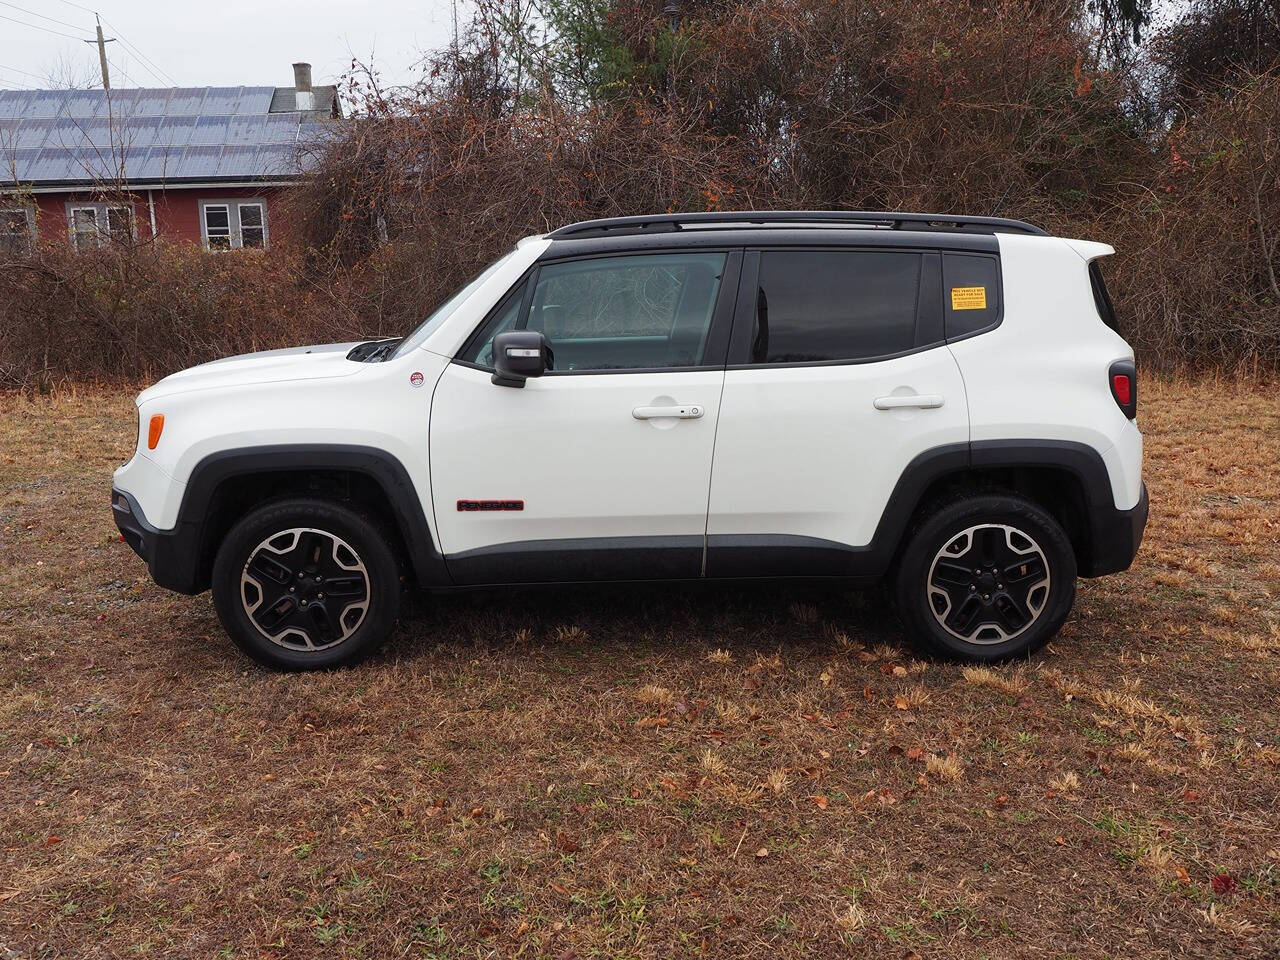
[(967, 616), (952, 572), (274, 617), (1010, 613)]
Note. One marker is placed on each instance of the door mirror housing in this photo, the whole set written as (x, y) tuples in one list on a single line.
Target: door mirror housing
[(518, 355)]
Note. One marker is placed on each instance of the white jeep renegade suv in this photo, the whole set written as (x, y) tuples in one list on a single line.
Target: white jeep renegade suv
[(943, 403)]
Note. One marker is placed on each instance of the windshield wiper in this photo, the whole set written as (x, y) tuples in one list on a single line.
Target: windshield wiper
[(374, 351)]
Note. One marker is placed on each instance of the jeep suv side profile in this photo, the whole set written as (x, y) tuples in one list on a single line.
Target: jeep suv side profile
[(941, 403)]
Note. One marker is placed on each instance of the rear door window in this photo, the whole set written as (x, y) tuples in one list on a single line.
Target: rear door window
[(822, 306)]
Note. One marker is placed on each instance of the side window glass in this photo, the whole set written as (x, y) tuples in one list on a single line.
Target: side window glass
[(504, 319), (627, 312), (824, 305), (970, 293)]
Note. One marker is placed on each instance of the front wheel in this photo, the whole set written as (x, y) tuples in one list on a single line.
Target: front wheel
[(306, 585), (985, 579)]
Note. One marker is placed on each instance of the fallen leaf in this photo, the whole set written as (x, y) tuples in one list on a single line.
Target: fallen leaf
[(915, 753), (899, 671), (52, 840), (820, 801), (762, 853), (1223, 883), (1183, 877), (902, 703)]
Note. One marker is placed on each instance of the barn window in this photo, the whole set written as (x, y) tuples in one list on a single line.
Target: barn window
[(233, 224), (96, 224), (17, 231)]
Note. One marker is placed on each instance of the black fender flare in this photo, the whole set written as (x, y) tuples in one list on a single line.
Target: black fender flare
[(384, 469)]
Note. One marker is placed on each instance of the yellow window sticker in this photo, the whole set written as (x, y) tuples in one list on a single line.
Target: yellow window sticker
[(968, 298)]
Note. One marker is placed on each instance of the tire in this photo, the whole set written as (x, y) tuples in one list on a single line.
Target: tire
[(306, 585), (985, 617)]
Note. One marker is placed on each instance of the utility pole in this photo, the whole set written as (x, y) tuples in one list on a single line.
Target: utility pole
[(102, 54)]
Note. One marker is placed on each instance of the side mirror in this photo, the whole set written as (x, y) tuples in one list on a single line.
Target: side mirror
[(518, 355)]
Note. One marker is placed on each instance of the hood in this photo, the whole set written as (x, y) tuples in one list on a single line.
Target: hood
[(270, 366)]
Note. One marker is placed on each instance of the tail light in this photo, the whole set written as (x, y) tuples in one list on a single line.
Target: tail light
[(1123, 378)]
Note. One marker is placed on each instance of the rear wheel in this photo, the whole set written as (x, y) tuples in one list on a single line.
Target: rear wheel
[(986, 578), (306, 584)]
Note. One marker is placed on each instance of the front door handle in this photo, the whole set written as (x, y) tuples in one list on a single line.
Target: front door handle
[(925, 401), (682, 411)]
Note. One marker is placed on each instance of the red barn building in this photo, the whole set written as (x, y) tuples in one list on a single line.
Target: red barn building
[(201, 164)]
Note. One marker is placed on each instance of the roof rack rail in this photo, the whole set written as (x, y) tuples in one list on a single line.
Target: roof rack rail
[(670, 222)]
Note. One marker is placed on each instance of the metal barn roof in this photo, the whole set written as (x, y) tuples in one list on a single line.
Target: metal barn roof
[(167, 135)]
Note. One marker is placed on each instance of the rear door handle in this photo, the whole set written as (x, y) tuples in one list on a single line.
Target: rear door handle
[(683, 411), (925, 401)]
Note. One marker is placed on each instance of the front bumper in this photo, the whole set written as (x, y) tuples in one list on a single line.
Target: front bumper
[(1116, 538), (172, 556)]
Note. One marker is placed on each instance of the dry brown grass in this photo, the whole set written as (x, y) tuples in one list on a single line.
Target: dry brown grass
[(486, 786)]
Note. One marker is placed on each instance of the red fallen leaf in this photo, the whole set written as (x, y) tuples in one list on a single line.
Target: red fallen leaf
[(566, 843), (915, 753), (559, 888), (820, 801), (1002, 800), (1223, 883), (1190, 796), (52, 840), (1184, 878)]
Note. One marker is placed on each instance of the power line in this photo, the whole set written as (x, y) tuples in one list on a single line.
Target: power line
[(27, 73), (32, 13), (36, 26), (77, 6), (157, 71), (124, 73)]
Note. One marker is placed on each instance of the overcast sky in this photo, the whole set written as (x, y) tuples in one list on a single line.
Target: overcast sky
[(204, 43)]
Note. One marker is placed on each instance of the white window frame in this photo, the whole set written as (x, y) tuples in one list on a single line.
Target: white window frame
[(235, 233), (30, 216), (102, 228)]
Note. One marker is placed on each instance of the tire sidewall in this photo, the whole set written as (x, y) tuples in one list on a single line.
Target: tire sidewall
[(910, 586), (361, 534)]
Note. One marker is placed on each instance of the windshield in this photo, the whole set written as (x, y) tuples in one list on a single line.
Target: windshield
[(446, 309)]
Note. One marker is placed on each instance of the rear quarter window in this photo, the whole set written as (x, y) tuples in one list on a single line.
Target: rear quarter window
[(970, 293), (1101, 297)]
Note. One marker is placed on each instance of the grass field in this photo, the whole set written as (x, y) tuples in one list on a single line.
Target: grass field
[(645, 772)]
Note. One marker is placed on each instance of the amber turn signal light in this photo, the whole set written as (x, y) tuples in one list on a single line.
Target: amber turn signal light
[(154, 429)]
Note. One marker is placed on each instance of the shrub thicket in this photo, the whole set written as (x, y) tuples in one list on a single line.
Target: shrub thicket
[(547, 111)]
